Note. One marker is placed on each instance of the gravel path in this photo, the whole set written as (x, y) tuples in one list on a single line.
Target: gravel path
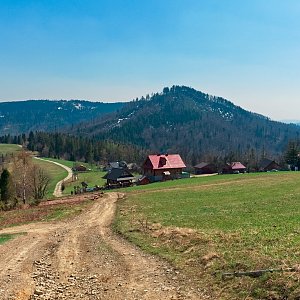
[(83, 259)]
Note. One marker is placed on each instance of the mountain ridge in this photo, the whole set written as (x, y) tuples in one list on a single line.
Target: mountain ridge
[(181, 119), (29, 115)]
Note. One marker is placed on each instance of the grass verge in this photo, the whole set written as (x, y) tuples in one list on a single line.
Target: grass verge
[(7, 237), (49, 211)]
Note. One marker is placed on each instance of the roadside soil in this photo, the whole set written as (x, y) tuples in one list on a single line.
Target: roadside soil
[(83, 259)]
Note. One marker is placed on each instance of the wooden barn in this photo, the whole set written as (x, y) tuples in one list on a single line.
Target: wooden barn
[(205, 168), (268, 165), (161, 167), (234, 168), (119, 177)]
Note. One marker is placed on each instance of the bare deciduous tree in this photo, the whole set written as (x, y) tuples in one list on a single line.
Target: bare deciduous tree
[(30, 180), (40, 182), (21, 174)]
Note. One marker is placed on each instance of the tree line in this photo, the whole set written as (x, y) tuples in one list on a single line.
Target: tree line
[(74, 148)]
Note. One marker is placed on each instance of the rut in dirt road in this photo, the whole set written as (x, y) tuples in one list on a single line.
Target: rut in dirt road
[(83, 259)]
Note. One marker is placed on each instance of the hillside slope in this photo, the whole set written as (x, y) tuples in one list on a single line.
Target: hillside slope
[(23, 116), (181, 119)]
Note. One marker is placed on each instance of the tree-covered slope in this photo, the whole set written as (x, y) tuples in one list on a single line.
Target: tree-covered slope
[(181, 119), (23, 116)]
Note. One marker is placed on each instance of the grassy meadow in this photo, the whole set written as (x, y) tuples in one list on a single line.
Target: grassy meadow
[(210, 225), (9, 148)]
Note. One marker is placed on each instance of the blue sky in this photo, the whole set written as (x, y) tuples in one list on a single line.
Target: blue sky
[(116, 50)]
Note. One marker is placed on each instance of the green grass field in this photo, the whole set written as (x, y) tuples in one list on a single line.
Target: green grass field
[(211, 225), (92, 178), (9, 148)]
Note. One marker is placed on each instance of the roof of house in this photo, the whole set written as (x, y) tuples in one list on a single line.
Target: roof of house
[(166, 161), (236, 165), (118, 174), (117, 164), (202, 165), (264, 163)]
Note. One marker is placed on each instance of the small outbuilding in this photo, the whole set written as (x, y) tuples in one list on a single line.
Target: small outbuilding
[(234, 168), (268, 165), (205, 168)]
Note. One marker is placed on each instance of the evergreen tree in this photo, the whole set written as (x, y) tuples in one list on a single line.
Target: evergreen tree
[(4, 186), (292, 155)]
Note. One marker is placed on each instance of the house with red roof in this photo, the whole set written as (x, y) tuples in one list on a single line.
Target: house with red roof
[(234, 168), (159, 167)]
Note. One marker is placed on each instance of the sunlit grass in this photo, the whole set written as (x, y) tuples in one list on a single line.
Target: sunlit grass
[(248, 221)]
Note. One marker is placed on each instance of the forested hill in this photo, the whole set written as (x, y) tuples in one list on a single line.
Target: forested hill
[(196, 125), (23, 116)]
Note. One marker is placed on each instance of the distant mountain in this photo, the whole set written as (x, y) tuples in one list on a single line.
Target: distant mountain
[(196, 125), (23, 116)]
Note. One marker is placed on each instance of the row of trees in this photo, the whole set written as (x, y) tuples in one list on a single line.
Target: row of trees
[(59, 145), (24, 182)]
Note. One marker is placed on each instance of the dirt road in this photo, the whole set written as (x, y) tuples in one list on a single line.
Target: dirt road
[(83, 259)]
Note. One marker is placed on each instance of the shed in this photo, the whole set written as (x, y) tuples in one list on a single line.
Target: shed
[(205, 168), (268, 165)]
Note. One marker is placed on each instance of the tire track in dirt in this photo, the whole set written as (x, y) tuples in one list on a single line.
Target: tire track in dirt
[(84, 259)]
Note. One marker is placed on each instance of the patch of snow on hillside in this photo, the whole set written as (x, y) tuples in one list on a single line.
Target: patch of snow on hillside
[(131, 114), (59, 108), (120, 120), (225, 115), (78, 106)]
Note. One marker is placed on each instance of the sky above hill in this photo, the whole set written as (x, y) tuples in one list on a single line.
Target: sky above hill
[(116, 50)]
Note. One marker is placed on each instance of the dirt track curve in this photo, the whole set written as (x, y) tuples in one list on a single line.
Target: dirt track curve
[(83, 259)]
